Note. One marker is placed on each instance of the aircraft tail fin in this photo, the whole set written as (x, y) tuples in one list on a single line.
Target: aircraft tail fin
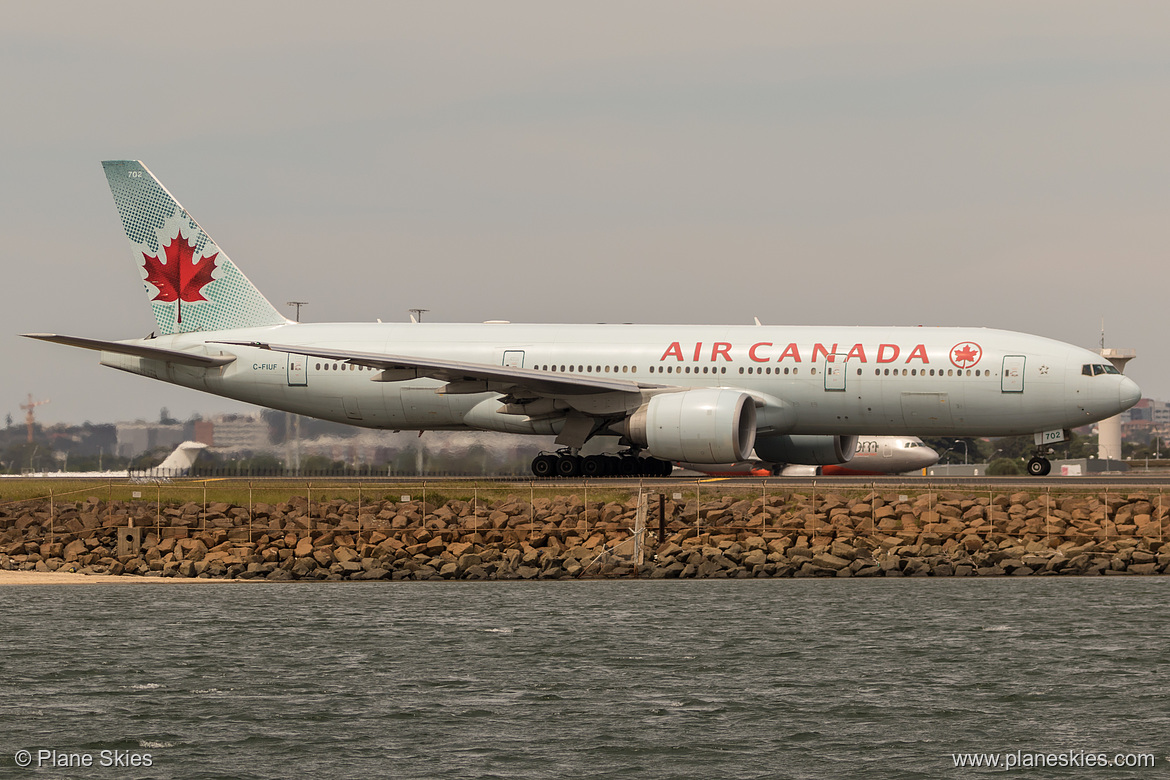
[(190, 282), (179, 462)]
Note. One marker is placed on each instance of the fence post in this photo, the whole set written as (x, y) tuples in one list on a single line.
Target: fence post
[(698, 519), (1047, 517), (1105, 521), (640, 528), (249, 511), (662, 517), (766, 513)]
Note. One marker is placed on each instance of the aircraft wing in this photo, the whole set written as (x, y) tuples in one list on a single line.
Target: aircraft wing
[(138, 350), (464, 377)]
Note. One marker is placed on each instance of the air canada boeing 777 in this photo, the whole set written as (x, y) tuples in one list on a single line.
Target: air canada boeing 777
[(693, 393)]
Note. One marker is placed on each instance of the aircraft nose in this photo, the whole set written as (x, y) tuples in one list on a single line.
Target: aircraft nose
[(925, 457), (1130, 393)]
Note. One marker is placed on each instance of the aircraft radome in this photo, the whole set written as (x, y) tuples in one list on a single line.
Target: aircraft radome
[(694, 393)]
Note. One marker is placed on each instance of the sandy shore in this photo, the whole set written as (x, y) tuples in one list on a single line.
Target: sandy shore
[(68, 578)]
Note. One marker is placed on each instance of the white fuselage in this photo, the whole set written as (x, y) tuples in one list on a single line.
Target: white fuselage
[(806, 380)]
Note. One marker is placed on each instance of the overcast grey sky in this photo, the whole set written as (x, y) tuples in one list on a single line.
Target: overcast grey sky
[(1004, 164)]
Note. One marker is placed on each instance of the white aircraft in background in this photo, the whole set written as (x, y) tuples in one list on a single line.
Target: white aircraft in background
[(696, 393), (177, 464), (874, 456)]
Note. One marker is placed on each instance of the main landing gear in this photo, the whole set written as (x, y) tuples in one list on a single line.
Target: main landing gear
[(565, 464)]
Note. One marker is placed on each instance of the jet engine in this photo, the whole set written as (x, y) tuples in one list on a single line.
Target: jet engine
[(698, 426), (806, 450)]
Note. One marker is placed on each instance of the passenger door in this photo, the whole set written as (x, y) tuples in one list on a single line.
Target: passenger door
[(1012, 379)]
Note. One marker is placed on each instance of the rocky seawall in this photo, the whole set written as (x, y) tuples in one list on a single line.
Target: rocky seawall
[(873, 534)]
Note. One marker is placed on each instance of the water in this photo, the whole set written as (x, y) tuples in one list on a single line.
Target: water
[(736, 679)]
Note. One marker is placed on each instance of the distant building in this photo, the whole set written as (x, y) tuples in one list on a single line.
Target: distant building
[(237, 433), (135, 438)]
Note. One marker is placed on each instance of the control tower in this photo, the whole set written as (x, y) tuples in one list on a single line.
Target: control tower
[(1109, 431)]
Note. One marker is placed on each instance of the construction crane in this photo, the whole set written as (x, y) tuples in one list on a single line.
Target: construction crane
[(29, 417)]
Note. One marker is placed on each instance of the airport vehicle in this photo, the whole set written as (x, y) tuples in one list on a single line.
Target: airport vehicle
[(693, 393), (874, 456)]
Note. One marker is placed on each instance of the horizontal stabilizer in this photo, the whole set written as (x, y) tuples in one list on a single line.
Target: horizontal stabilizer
[(138, 350)]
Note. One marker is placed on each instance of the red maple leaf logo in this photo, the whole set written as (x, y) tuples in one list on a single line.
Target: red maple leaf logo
[(966, 354), (180, 278)]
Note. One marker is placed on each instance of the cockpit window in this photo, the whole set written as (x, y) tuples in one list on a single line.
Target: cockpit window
[(1098, 369)]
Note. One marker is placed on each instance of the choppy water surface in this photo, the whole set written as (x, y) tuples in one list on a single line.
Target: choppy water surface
[(793, 678)]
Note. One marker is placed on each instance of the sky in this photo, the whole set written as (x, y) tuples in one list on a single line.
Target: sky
[(1000, 164)]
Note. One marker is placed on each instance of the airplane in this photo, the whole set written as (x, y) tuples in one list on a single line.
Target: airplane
[(694, 393), (177, 464), (874, 456)]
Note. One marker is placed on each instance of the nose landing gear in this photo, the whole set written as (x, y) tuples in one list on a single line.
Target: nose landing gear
[(1039, 466)]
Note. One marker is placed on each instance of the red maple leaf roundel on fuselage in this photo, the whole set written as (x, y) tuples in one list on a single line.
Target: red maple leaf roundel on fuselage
[(180, 278), (966, 354)]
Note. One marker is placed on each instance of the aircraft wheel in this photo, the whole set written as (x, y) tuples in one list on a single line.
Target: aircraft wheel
[(594, 466), (568, 466), (1039, 467), (544, 465), (627, 467)]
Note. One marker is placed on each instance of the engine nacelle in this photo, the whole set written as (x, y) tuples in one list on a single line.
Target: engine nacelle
[(698, 426), (806, 450)]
